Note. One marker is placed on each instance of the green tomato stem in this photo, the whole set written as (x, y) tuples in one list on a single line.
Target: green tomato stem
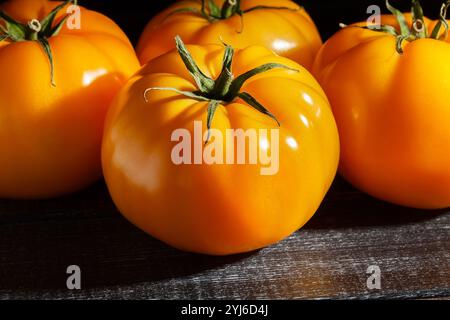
[(212, 12), (418, 29), (35, 30), (225, 89)]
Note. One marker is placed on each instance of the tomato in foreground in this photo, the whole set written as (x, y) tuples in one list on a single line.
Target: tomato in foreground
[(279, 25), (388, 89), (202, 198), (57, 81)]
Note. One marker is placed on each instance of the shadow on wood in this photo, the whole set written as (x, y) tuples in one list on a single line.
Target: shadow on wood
[(40, 239), (346, 207)]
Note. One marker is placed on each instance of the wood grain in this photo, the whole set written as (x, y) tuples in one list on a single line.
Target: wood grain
[(328, 258)]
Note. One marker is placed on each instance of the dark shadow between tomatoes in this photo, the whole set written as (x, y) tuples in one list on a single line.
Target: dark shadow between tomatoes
[(346, 207)]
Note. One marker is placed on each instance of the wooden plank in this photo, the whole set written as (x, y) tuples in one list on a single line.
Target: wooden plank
[(328, 258)]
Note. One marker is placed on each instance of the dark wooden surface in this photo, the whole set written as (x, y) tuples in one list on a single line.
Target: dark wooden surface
[(328, 258)]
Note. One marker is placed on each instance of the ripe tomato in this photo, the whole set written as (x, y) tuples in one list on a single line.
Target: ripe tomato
[(280, 25), (219, 208), (388, 93), (50, 135)]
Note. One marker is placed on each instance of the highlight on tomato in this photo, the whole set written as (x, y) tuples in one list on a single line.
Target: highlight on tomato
[(388, 85), (280, 25), (61, 65), (220, 151)]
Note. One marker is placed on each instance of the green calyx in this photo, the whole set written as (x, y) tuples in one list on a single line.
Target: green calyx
[(223, 90), (35, 30), (418, 30), (212, 12)]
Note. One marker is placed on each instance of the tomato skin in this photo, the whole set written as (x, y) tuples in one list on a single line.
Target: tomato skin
[(392, 113), (50, 137), (219, 209), (291, 34)]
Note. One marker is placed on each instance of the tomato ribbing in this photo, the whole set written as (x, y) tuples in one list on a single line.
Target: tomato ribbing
[(212, 12)]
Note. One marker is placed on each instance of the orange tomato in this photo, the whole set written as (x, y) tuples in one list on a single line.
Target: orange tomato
[(50, 135), (392, 111), (217, 208), (285, 28)]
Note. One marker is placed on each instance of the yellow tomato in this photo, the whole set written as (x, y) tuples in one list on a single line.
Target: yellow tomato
[(280, 25), (392, 110), (219, 208), (50, 135)]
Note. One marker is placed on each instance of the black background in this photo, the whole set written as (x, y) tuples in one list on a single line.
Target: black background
[(132, 15)]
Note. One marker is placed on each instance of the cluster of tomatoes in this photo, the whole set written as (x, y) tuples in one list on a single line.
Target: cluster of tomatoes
[(75, 104)]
